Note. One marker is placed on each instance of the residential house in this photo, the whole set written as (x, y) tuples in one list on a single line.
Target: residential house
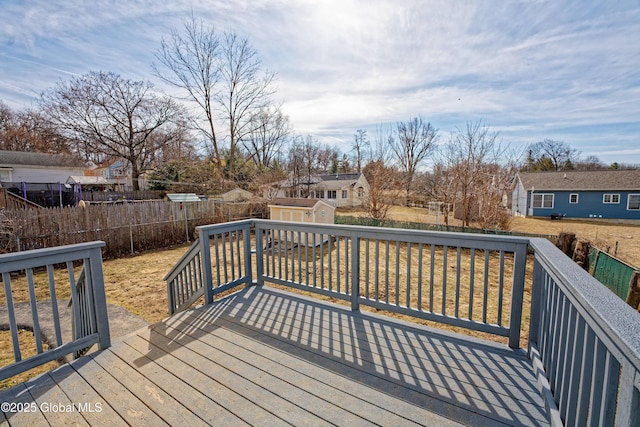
[(578, 194), (118, 172), (41, 168), (40, 177), (339, 190)]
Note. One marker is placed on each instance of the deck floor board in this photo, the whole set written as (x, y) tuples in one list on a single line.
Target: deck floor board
[(268, 357)]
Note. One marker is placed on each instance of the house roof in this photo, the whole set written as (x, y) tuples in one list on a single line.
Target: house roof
[(325, 181), (627, 179), (340, 177), (13, 158), (299, 203)]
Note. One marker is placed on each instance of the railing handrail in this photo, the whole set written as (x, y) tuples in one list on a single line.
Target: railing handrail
[(39, 257), (384, 233), (618, 323), (195, 246)]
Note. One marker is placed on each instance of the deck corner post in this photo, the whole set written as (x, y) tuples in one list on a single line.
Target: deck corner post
[(629, 396), (517, 295), (205, 250), (355, 273), (99, 297), (536, 300)]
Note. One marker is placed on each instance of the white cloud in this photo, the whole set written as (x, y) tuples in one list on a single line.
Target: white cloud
[(531, 69)]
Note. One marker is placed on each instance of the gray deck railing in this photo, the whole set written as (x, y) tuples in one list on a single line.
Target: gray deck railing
[(584, 342), (88, 303)]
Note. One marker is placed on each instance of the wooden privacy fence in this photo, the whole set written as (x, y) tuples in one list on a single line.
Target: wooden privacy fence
[(125, 228)]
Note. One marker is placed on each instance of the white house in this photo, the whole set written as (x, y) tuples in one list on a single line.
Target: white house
[(340, 190), (38, 168)]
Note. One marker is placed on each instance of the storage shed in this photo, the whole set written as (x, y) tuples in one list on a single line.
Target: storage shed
[(301, 210)]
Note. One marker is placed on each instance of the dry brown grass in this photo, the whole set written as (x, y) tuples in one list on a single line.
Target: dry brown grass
[(601, 233), (27, 346)]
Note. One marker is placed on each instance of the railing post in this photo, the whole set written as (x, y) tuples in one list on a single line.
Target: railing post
[(536, 301), (99, 297), (629, 396), (205, 265), (247, 253), (517, 295), (355, 273), (259, 255)]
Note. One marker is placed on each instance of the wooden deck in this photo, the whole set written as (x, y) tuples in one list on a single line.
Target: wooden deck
[(267, 357)]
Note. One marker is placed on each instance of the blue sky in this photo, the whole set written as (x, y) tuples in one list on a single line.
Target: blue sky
[(530, 69)]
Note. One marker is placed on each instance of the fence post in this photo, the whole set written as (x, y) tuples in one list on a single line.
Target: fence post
[(205, 265), (633, 297), (355, 273)]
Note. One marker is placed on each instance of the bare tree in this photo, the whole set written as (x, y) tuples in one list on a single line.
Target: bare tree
[(380, 149), (29, 131), (414, 141), (360, 142), (472, 157), (551, 155), (383, 189), (245, 89), (224, 76), (192, 63), (269, 132), (303, 163), (114, 117)]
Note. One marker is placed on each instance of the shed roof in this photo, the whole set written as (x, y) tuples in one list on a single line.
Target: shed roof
[(295, 202), (603, 180), (299, 202), (11, 158), (183, 197)]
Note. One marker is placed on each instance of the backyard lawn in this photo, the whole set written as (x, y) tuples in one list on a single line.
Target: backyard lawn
[(135, 282)]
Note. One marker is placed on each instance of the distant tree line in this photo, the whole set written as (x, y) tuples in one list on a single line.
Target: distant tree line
[(223, 128)]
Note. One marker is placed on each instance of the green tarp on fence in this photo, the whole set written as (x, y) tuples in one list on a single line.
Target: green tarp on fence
[(613, 273)]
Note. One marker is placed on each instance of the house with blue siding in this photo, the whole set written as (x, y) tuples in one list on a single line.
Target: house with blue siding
[(612, 194)]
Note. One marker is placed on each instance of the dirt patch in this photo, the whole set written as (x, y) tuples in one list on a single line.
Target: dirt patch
[(121, 321)]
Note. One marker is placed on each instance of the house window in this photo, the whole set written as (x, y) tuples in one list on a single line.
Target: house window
[(319, 194), (360, 192), (344, 194), (331, 194), (5, 174), (633, 202), (544, 201), (573, 198), (611, 198)]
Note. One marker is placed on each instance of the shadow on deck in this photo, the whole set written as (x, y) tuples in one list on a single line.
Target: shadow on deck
[(268, 357)]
